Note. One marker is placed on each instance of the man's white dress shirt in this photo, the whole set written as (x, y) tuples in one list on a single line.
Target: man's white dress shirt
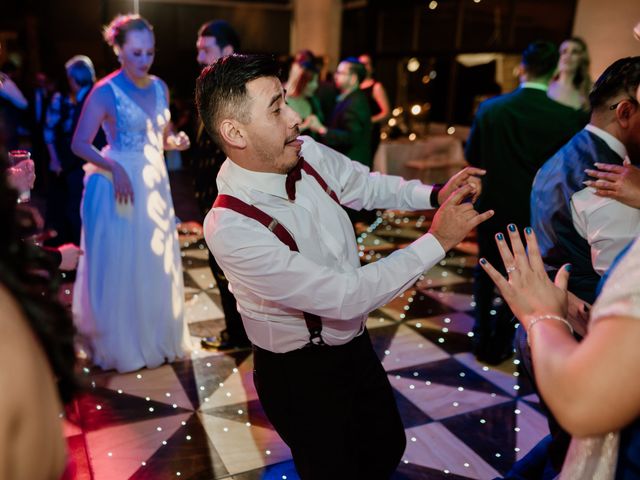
[(273, 284), (607, 224)]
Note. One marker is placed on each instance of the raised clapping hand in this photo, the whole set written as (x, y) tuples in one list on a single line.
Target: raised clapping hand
[(180, 141), (527, 289), (466, 176), (620, 182), (454, 219)]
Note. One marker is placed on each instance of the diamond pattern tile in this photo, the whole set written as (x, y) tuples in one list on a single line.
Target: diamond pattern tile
[(200, 418)]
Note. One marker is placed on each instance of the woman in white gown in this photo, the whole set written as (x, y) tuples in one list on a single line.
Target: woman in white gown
[(129, 294)]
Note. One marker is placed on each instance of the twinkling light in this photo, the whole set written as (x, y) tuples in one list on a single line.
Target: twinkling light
[(433, 5)]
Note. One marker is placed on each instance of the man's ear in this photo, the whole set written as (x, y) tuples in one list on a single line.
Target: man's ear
[(227, 50), (624, 111), (232, 134)]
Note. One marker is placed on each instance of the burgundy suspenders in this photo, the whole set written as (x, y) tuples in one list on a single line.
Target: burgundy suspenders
[(314, 324)]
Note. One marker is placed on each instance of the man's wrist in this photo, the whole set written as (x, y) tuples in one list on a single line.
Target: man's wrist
[(433, 197)]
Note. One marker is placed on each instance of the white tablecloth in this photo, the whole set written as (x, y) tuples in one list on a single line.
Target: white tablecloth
[(433, 159)]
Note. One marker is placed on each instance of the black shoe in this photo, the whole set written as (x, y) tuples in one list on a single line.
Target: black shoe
[(492, 354)]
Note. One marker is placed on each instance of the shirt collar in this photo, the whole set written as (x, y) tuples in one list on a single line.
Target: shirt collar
[(613, 143), (248, 180), (535, 85)]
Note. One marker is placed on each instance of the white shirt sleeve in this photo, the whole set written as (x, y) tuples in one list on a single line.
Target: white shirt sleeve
[(253, 258), (359, 188), (606, 224)]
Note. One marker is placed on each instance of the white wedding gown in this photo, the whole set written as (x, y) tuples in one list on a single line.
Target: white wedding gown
[(129, 294)]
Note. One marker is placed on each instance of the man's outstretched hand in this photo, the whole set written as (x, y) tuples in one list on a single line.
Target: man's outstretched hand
[(467, 176), (455, 219)]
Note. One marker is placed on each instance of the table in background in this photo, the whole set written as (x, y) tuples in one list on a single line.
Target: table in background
[(432, 159)]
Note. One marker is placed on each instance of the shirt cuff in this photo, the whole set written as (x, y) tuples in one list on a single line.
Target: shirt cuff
[(428, 249), (420, 197)]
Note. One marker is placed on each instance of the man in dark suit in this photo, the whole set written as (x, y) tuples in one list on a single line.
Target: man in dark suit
[(215, 40), (349, 128), (66, 183), (512, 136)]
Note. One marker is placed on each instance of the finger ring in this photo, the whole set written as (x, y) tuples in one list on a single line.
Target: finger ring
[(511, 269)]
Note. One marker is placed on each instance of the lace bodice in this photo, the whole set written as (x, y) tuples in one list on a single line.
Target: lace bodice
[(621, 295), (134, 128)]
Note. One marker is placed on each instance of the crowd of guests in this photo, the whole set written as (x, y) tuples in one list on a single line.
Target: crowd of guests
[(562, 151)]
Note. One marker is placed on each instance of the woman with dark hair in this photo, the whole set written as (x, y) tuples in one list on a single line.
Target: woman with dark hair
[(36, 351), (129, 294), (302, 85), (571, 83), (378, 101)]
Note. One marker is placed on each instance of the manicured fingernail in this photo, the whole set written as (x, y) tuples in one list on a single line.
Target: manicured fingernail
[(598, 164), (567, 267), (512, 228), (528, 230), (483, 261), (500, 237)]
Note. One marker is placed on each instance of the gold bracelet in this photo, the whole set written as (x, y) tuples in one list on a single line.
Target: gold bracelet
[(547, 317)]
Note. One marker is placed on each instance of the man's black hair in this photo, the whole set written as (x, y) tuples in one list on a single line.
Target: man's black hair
[(621, 77), (540, 59), (221, 89), (223, 33)]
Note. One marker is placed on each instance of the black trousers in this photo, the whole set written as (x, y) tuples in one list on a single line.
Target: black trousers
[(235, 333), (63, 206), (334, 407)]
